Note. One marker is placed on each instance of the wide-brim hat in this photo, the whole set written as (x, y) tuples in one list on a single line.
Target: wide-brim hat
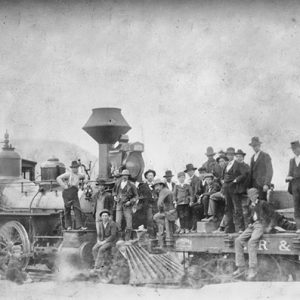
[(168, 173), (189, 167), (202, 169), (230, 150), (74, 164), (295, 144), (158, 181), (104, 211), (125, 173), (149, 171), (240, 152), (255, 141), (210, 151), (223, 157), (208, 175)]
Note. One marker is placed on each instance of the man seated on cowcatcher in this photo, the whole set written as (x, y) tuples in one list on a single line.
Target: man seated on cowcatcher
[(106, 240)]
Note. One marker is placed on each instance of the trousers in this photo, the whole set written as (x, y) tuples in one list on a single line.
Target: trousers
[(296, 197), (183, 214), (100, 252), (126, 212), (70, 197), (252, 235), (163, 223)]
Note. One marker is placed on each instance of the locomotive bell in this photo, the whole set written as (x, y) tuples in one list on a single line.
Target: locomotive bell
[(106, 125)]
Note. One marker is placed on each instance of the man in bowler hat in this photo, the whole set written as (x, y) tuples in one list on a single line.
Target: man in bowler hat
[(211, 165), (169, 183), (293, 179), (261, 169)]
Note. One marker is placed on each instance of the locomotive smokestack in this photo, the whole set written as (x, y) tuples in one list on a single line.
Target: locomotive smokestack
[(106, 125)]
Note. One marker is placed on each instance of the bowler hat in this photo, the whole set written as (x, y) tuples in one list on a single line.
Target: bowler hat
[(104, 211), (210, 151), (189, 167), (255, 141), (158, 181), (240, 152), (295, 144), (230, 150), (125, 172), (202, 169), (150, 171), (208, 175), (74, 164), (168, 173), (180, 174), (222, 157)]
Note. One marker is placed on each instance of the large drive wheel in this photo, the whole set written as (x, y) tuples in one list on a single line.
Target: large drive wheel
[(13, 233)]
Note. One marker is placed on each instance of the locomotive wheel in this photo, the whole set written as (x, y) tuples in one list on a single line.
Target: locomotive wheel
[(269, 269), (13, 233)]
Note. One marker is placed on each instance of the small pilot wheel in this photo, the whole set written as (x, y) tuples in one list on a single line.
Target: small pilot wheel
[(269, 268), (13, 233)]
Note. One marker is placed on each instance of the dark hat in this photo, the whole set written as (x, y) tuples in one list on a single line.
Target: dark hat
[(222, 156), (181, 174), (149, 171), (295, 144), (221, 152), (208, 175), (255, 141), (240, 152), (210, 151), (202, 169), (104, 211), (189, 167), (158, 181), (168, 173), (75, 164), (230, 150)]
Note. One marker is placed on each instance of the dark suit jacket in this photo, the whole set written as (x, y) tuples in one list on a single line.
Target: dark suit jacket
[(196, 186), (261, 171), (128, 193), (165, 200), (146, 194), (110, 233), (239, 172), (211, 189), (294, 171), (213, 167), (173, 186)]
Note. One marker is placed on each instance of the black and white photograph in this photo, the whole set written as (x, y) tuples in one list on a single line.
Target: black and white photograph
[(149, 149)]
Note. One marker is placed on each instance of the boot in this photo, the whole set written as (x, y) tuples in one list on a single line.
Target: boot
[(251, 274), (127, 234), (239, 272)]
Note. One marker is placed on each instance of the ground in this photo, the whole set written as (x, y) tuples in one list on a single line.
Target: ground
[(90, 290)]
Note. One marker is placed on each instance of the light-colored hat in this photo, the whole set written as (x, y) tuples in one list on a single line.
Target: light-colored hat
[(125, 173), (158, 181)]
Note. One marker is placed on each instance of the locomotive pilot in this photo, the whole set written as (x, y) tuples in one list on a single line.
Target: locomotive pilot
[(262, 220), (70, 183), (125, 194)]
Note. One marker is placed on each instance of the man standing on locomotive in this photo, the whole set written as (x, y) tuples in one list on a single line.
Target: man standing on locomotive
[(125, 194), (70, 183), (294, 181), (261, 169), (262, 220)]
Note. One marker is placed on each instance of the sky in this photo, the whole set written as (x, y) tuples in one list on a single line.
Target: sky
[(186, 74)]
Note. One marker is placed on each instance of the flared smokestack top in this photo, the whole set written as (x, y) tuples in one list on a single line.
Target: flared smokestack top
[(106, 125)]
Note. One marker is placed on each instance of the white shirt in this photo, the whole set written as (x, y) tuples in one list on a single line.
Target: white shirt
[(105, 224), (169, 185), (256, 155), (297, 160), (123, 184), (229, 166)]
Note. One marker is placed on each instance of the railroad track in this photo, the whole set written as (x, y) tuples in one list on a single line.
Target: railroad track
[(38, 275)]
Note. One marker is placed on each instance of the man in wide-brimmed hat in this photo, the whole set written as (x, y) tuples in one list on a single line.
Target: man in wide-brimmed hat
[(106, 239), (101, 199), (168, 179), (293, 179), (211, 166), (146, 202), (167, 214), (70, 183), (125, 194), (261, 169)]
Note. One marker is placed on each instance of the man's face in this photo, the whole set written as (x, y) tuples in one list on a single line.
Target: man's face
[(201, 174), (210, 157), (191, 173), (17, 253), (105, 217), (158, 187), (169, 178), (208, 180), (74, 170), (181, 179), (150, 177), (230, 156), (239, 157), (253, 197), (101, 187), (256, 148), (222, 162), (296, 151)]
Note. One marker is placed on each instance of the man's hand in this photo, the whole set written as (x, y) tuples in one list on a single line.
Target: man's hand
[(289, 178), (250, 225), (127, 203), (234, 181), (265, 188)]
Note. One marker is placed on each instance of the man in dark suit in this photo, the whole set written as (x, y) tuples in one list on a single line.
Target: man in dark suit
[(294, 181), (169, 183), (106, 238), (233, 187), (261, 170), (211, 165), (146, 201), (126, 195)]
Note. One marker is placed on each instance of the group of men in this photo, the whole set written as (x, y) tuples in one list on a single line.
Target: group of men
[(217, 194)]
